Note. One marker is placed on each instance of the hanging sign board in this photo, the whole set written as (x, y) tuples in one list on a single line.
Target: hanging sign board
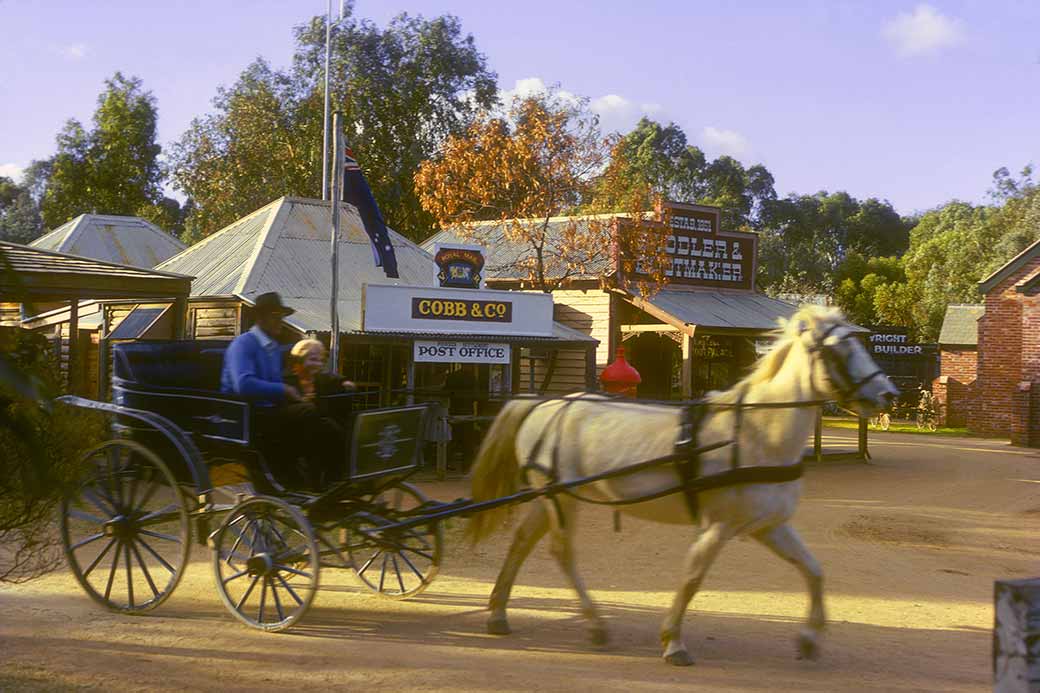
[(387, 308), (459, 266), (460, 352), (699, 253)]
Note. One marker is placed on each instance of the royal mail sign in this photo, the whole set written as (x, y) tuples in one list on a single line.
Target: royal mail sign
[(387, 308), (460, 352)]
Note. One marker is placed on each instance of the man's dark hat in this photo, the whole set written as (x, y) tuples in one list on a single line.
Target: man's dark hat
[(271, 302)]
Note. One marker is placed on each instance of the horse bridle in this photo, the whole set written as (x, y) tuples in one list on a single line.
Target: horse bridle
[(847, 387)]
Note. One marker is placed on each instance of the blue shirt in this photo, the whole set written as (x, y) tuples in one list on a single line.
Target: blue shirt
[(253, 368)]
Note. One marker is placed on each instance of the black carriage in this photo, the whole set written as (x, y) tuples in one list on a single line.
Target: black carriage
[(186, 465)]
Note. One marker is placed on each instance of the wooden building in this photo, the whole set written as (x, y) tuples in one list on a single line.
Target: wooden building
[(698, 331)]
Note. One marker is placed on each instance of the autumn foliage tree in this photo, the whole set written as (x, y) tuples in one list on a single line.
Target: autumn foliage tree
[(531, 171)]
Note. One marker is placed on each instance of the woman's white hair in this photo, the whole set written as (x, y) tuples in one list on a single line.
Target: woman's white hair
[(303, 347)]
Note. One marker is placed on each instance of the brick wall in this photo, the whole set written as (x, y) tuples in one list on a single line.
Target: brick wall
[(1008, 354), (959, 363)]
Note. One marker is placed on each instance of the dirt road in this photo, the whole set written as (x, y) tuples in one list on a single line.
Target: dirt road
[(910, 544)]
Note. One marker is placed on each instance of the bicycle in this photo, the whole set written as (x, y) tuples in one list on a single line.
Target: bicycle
[(926, 420), (882, 421)]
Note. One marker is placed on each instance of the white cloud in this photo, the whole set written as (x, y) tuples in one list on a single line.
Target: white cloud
[(12, 171), (616, 113), (923, 32), (73, 51), (717, 142)]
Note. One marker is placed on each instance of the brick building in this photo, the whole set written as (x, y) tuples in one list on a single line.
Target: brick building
[(1008, 385), (958, 363)]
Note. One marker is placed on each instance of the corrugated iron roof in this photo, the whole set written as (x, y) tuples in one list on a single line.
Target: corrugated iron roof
[(960, 325), (719, 309), (47, 275), (504, 258), (123, 240)]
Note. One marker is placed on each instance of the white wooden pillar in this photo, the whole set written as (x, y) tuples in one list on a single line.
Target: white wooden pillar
[(687, 361)]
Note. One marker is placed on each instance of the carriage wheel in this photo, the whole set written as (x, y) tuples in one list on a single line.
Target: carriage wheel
[(395, 564), (125, 530), (266, 563)]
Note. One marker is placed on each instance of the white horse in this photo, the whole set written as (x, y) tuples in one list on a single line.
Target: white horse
[(816, 357)]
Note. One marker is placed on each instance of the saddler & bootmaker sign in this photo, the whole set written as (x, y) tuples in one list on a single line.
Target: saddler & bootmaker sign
[(699, 254), (421, 309)]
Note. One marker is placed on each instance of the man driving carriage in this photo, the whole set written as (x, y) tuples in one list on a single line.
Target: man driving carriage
[(253, 369)]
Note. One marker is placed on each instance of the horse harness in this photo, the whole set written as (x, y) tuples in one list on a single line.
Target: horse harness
[(685, 458)]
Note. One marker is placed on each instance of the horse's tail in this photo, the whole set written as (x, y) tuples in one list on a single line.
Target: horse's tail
[(496, 469)]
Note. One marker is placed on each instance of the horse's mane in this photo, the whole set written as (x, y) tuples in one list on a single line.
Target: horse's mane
[(766, 368)]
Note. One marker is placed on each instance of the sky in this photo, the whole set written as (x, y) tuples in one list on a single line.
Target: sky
[(915, 103)]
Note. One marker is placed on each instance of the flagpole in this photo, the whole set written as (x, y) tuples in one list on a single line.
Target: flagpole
[(325, 138), (337, 182)]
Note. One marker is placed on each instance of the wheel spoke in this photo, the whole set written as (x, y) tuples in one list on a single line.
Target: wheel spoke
[(417, 552), (96, 502), (400, 580), (86, 517), (112, 572), (144, 569), (157, 535), (412, 566), (382, 573), (294, 571), (156, 483), (156, 556), (277, 601), (287, 586), (169, 510), (129, 574), (369, 562), (84, 542), (97, 559), (263, 601), (235, 576), (249, 590)]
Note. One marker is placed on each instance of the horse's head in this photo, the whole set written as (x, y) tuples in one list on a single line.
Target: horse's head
[(842, 369)]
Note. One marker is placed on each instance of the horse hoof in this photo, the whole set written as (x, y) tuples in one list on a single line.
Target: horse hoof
[(807, 647), (680, 658), (498, 626), (599, 637)]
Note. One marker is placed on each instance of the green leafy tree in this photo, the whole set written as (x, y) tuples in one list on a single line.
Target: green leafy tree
[(20, 220), (659, 160), (806, 238), (857, 282), (403, 89), (112, 168)]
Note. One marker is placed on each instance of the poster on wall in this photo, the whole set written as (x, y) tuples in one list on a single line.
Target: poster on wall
[(459, 266), (460, 352)]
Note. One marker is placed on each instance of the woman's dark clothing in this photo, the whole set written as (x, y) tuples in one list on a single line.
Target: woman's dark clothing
[(316, 430)]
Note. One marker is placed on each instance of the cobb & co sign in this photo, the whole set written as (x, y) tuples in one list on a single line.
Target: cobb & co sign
[(459, 266), (893, 342), (388, 308), (702, 255), (460, 352)]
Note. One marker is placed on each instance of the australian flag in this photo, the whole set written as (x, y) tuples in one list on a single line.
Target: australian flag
[(357, 193)]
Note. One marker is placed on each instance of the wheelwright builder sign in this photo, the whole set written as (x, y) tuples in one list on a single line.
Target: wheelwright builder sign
[(387, 308)]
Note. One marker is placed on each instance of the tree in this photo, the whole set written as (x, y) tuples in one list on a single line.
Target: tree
[(522, 172), (857, 282), (806, 238), (20, 220), (659, 160), (112, 168), (402, 90)]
